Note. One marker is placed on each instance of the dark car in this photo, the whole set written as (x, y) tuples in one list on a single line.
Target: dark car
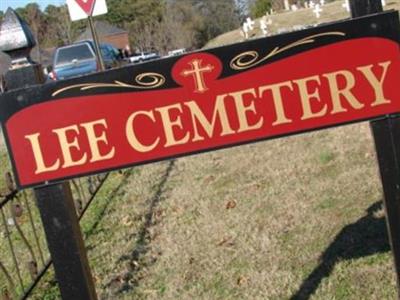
[(80, 59)]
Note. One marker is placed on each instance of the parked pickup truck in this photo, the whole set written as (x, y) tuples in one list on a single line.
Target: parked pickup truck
[(80, 59), (143, 56)]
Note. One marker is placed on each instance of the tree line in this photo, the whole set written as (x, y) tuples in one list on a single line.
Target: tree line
[(159, 25)]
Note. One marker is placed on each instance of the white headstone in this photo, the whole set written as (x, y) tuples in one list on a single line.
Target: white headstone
[(283, 30), (264, 23), (298, 27), (286, 3), (264, 27), (311, 4), (346, 5), (245, 31), (10, 222), (247, 27), (306, 4), (317, 11), (322, 2), (294, 7), (250, 23)]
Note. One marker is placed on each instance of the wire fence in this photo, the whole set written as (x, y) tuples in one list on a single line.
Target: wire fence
[(24, 257)]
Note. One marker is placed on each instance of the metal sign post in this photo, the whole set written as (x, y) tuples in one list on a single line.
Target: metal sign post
[(386, 134), (65, 242), (79, 9), (96, 44)]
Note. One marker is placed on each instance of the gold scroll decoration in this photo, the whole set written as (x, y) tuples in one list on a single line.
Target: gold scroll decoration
[(148, 80), (252, 58)]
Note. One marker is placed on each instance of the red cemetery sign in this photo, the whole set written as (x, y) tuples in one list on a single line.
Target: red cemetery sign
[(86, 5), (272, 87)]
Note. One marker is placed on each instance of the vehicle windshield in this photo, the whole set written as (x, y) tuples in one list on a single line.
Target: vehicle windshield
[(69, 54)]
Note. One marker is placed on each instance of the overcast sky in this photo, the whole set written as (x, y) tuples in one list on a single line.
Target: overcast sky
[(21, 3)]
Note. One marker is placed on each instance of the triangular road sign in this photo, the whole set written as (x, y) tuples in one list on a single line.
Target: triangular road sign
[(86, 5)]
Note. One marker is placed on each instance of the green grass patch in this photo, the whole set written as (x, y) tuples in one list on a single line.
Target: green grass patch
[(326, 157)]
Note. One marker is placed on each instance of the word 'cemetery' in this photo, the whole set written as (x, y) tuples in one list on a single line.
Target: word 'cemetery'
[(249, 115)]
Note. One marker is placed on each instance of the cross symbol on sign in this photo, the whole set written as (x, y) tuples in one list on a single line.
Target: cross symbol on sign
[(197, 72), (86, 5)]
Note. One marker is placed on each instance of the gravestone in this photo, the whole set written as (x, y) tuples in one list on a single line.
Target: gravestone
[(298, 27), (249, 23), (317, 11), (247, 27), (264, 23), (286, 4), (346, 5), (245, 32)]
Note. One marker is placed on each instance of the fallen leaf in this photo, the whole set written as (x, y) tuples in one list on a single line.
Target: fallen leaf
[(241, 280), (226, 241), (230, 204)]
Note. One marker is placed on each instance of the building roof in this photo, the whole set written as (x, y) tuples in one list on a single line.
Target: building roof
[(103, 29)]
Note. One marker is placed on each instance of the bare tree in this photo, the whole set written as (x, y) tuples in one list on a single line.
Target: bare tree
[(64, 26), (60, 27), (34, 17)]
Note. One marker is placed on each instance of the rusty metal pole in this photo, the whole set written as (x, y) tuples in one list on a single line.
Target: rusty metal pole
[(96, 43)]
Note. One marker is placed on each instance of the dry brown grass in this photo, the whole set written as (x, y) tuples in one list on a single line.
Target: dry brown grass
[(5, 165), (290, 202), (287, 20), (251, 222)]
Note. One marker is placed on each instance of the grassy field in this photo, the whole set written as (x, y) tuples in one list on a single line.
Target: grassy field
[(287, 218), (294, 218), (4, 163), (286, 21)]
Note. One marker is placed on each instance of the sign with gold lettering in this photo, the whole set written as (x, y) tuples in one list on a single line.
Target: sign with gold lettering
[(316, 78)]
